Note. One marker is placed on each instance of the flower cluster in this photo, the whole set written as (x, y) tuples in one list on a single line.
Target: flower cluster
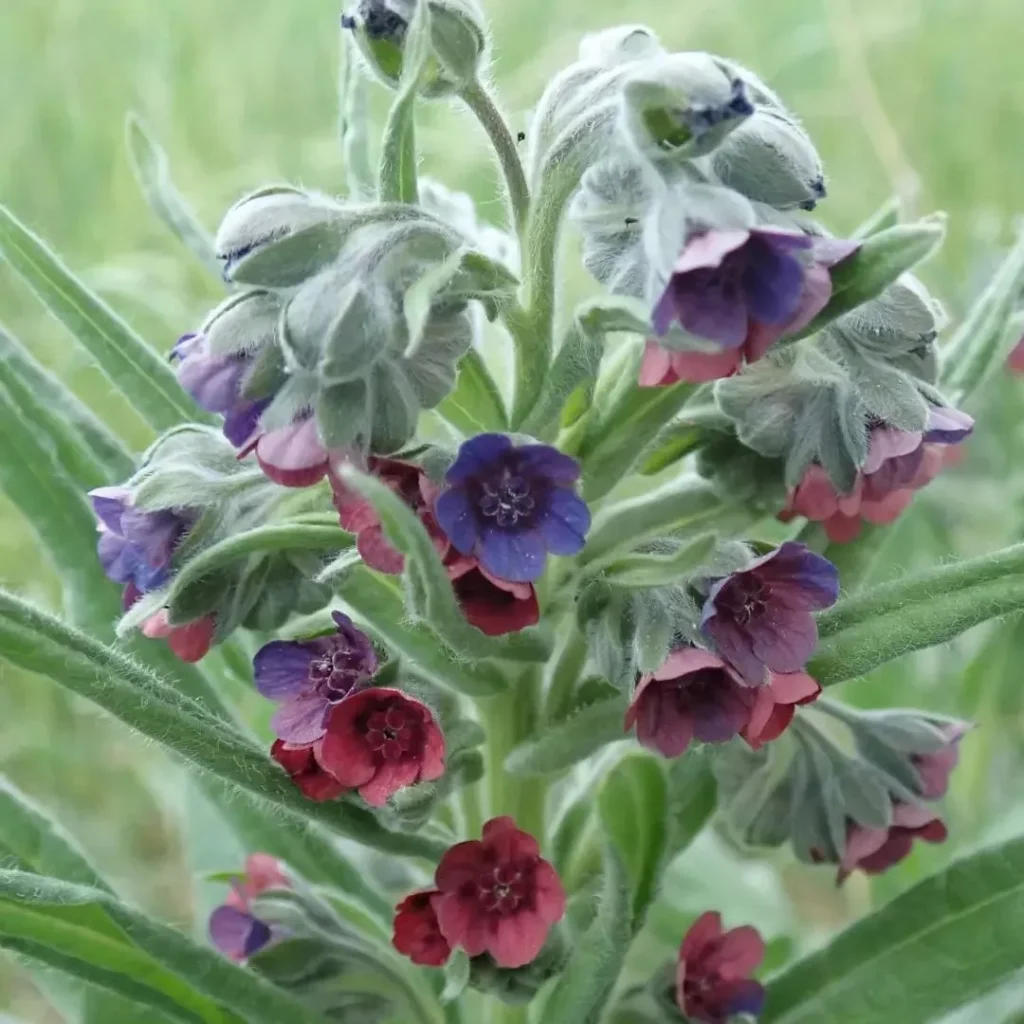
[(759, 622)]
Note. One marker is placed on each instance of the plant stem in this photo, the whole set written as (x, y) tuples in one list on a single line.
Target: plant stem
[(480, 101)]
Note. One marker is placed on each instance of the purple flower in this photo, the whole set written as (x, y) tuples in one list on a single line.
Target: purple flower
[(934, 769), (746, 289), (510, 506), (215, 382), (760, 618), (233, 928), (947, 425), (308, 677), (136, 545)]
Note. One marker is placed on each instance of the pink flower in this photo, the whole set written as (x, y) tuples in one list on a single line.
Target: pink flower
[(379, 741), (301, 763), (495, 606), (1015, 361), (898, 464), (935, 769), (743, 290), (358, 516), (190, 642), (875, 850), (497, 895), (417, 934), (292, 456), (775, 704), (713, 982), (233, 928)]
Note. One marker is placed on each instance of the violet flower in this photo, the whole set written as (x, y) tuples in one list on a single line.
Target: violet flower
[(875, 850), (511, 506), (743, 290), (308, 677), (936, 768), (233, 928), (760, 617), (135, 545), (215, 382)]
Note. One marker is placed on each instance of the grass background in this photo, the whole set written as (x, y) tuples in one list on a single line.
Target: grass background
[(923, 98)]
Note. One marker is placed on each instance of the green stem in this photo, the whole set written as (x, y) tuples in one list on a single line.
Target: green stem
[(480, 101)]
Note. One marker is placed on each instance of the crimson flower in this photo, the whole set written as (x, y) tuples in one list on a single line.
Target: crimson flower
[(713, 982), (301, 763), (233, 928), (498, 895), (495, 606), (379, 741), (417, 934), (875, 850)]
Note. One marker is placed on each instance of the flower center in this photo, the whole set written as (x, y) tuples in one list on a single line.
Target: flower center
[(334, 673), (507, 500), (503, 890), (748, 600), (391, 733)]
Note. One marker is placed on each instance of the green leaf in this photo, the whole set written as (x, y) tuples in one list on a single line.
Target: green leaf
[(582, 991), (578, 360), (81, 444), (353, 122), (983, 341), (655, 570), (38, 642), (880, 260), (569, 742), (693, 797), (885, 217), (475, 406), (97, 936), (377, 606), (40, 843), (632, 802), (456, 977), (152, 171), (130, 364), (440, 609), (947, 941), (396, 179)]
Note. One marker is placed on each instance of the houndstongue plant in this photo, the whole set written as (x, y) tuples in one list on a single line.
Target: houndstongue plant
[(519, 645)]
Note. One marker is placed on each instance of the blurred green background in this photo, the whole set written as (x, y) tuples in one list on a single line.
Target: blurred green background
[(923, 98)]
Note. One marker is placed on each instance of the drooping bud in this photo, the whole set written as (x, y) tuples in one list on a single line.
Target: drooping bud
[(458, 41), (771, 159), (680, 106), (279, 236)]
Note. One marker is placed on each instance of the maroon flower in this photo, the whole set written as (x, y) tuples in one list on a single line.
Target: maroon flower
[(713, 982), (379, 741), (775, 704), (302, 764), (760, 618), (358, 516), (875, 850), (935, 769), (233, 928), (694, 695), (495, 606), (742, 290), (498, 895), (417, 934), (899, 463)]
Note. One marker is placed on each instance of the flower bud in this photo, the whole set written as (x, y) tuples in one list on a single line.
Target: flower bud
[(770, 159), (681, 105), (458, 40)]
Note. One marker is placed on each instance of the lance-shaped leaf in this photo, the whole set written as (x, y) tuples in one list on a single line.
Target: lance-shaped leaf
[(38, 642), (561, 746), (440, 609), (692, 799), (131, 365), (896, 964), (152, 170), (39, 843), (96, 936), (663, 567), (86, 449), (582, 991), (475, 406)]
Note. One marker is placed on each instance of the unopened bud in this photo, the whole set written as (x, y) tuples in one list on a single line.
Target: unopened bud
[(279, 236), (771, 159), (681, 106), (242, 323)]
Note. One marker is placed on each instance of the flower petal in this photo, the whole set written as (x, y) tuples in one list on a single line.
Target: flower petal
[(389, 778), (519, 557), (565, 523), (281, 668), (517, 939), (455, 515), (293, 456), (230, 930), (544, 461), (477, 455), (300, 719), (706, 929)]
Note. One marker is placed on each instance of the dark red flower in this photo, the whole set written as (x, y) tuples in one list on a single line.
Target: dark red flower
[(379, 741), (498, 895), (358, 516), (301, 763), (493, 605), (875, 850), (713, 980), (190, 642), (417, 933)]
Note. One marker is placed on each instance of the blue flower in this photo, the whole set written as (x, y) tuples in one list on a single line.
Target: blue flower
[(511, 506)]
